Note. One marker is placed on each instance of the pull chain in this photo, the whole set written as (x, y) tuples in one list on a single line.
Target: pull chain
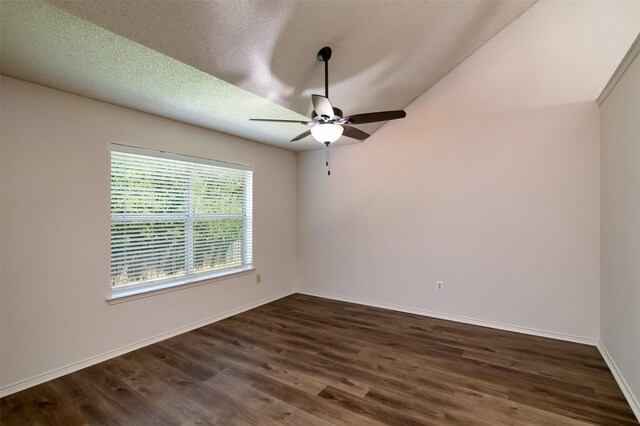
[(327, 151)]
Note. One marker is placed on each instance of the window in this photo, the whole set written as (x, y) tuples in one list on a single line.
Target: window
[(176, 219)]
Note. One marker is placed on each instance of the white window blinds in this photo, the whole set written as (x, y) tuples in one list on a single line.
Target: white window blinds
[(177, 219)]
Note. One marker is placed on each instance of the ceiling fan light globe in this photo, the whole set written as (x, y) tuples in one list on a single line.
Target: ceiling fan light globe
[(326, 132)]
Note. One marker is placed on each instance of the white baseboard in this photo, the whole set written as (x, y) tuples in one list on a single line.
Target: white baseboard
[(626, 390), (41, 378), (456, 318)]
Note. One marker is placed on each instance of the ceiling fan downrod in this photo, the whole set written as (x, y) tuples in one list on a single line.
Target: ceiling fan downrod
[(324, 55)]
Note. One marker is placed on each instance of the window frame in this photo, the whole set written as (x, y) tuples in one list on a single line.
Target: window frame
[(136, 290)]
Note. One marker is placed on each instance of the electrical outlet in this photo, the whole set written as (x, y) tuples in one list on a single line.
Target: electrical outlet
[(439, 285), (258, 278)]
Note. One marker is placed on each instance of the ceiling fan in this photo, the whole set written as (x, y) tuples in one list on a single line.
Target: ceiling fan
[(327, 122)]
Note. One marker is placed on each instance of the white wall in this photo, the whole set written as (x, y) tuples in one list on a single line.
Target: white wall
[(620, 228), (55, 231), (490, 184)]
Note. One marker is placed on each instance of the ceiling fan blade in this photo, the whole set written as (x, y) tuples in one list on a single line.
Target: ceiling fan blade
[(354, 133), (301, 136), (322, 106), (281, 121), (372, 117)]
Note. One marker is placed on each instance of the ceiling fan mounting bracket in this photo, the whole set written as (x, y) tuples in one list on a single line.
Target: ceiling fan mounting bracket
[(324, 54)]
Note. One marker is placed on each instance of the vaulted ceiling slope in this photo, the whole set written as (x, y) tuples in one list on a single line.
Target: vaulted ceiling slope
[(218, 63)]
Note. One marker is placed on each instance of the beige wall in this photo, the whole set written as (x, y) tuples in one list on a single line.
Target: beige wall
[(620, 228), (490, 184), (55, 230)]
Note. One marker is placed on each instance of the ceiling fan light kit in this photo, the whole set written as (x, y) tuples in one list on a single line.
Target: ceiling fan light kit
[(327, 132), (327, 122)]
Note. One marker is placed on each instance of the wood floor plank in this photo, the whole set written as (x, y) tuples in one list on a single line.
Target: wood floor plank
[(376, 412), (254, 361), (426, 409), (154, 388), (42, 406), (274, 408), (499, 411), (80, 393), (308, 403), (118, 394), (220, 407), (435, 380), (304, 360)]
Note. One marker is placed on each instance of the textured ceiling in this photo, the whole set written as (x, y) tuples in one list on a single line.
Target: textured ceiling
[(218, 63)]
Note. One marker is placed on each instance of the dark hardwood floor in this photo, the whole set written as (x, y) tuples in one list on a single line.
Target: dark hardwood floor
[(304, 360)]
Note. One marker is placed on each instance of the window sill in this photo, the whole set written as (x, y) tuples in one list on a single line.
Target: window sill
[(125, 295)]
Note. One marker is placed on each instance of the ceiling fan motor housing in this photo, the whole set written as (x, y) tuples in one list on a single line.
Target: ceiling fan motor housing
[(336, 112)]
